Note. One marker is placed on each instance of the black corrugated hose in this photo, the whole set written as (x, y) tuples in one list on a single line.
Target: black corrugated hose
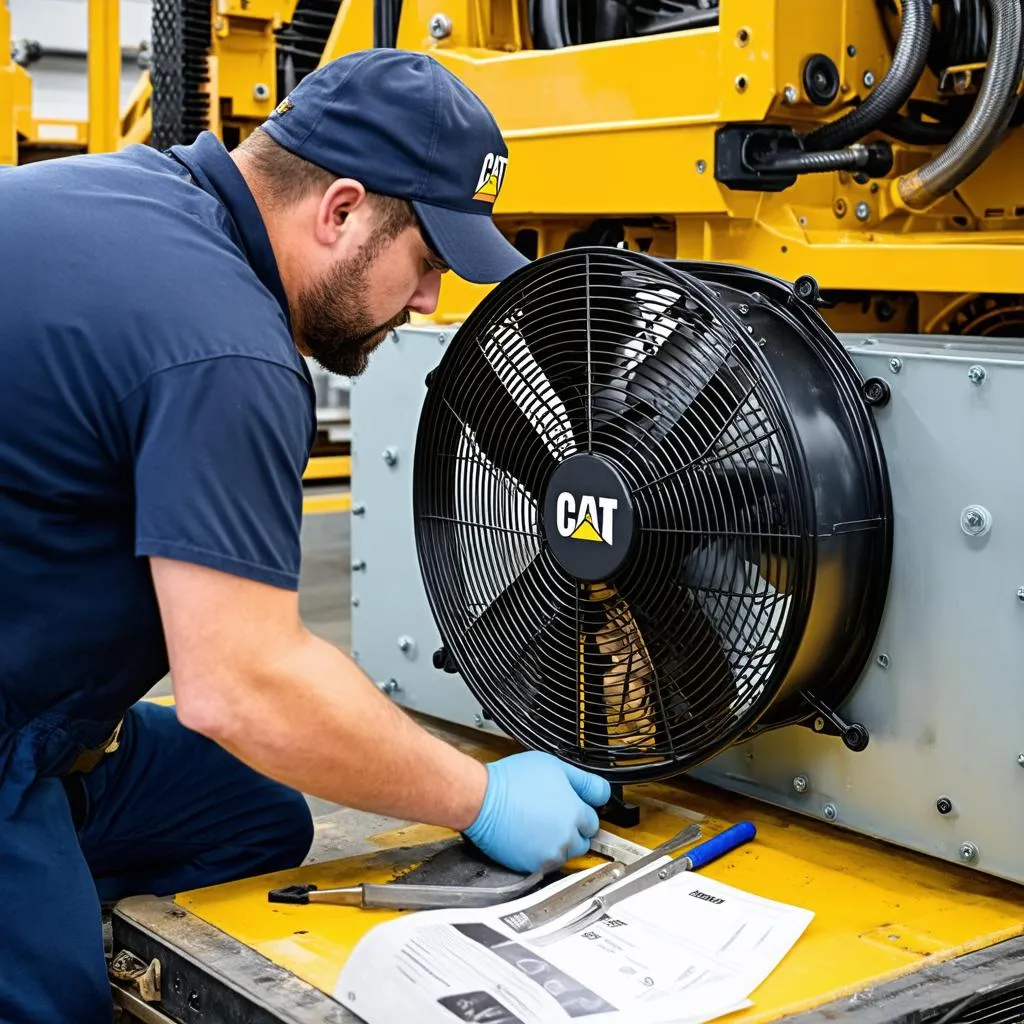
[(989, 118), (908, 63)]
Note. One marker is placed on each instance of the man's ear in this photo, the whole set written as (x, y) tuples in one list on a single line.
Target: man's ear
[(343, 197)]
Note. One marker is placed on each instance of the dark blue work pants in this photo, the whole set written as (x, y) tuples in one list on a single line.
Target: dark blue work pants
[(166, 812)]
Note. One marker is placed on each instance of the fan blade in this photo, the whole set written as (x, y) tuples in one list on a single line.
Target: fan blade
[(743, 608), (505, 416), (680, 644), (526, 644)]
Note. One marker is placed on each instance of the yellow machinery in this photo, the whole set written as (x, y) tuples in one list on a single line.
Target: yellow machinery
[(625, 128)]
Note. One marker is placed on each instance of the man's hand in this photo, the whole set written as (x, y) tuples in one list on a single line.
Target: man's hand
[(538, 812)]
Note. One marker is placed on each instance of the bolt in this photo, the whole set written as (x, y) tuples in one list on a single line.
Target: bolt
[(1020, 760), (440, 26), (358, 566), (261, 91), (790, 94), (701, 166), (869, 79), (819, 724), (663, 874), (478, 720), (359, 509), (442, 337), (389, 687), (390, 456), (830, 811), (863, 211), (851, 50), (800, 783), (975, 521), (976, 374), (895, 365), (883, 660), (1020, 594), (406, 644), (944, 805), (355, 602), (743, 309), (968, 852)]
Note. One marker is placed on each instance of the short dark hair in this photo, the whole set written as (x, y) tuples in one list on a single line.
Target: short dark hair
[(287, 178)]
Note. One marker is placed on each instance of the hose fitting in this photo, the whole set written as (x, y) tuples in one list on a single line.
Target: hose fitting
[(989, 117)]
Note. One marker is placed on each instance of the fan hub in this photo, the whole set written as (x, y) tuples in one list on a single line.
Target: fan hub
[(588, 517)]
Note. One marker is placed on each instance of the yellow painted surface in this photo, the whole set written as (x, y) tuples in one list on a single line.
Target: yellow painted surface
[(104, 75), (324, 504), (328, 467), (879, 912)]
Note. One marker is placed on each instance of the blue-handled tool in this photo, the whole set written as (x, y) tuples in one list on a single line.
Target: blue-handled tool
[(698, 857)]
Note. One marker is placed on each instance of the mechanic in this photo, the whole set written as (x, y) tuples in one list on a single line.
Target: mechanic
[(157, 414)]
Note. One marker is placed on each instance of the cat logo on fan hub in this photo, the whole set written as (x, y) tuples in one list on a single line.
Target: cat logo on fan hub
[(592, 518)]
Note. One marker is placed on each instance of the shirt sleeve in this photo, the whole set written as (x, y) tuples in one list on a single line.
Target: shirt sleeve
[(219, 447)]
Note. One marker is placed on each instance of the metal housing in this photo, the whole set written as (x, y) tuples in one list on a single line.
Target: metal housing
[(940, 697)]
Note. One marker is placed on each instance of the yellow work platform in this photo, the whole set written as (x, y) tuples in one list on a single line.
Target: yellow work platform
[(881, 915)]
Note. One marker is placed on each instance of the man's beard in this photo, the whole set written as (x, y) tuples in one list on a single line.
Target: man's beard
[(330, 321)]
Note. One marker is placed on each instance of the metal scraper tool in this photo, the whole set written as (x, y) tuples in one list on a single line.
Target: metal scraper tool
[(585, 888)]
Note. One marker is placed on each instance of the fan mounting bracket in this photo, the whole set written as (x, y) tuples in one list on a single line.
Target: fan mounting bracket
[(828, 722), (618, 810)]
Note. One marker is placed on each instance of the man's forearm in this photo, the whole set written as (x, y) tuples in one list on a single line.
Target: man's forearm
[(313, 720)]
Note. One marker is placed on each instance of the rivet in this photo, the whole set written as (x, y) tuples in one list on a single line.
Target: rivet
[(701, 166), (895, 365), (830, 811), (801, 783), (975, 520)]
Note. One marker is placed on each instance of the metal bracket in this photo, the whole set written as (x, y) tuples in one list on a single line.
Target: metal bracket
[(853, 734)]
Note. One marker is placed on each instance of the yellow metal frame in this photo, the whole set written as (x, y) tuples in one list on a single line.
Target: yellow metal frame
[(626, 130), (880, 913)]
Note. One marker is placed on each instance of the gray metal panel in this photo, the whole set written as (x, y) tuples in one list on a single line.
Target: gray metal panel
[(946, 716), (389, 604)]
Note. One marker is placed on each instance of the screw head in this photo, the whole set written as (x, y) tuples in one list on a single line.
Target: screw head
[(944, 805), (968, 852), (801, 783), (478, 720), (355, 602), (359, 509), (851, 50), (975, 521), (442, 337), (1020, 760), (440, 26), (863, 211), (976, 374), (819, 724), (895, 365), (882, 660), (389, 686), (869, 78), (359, 565), (406, 644), (1020, 594), (830, 811), (790, 95), (701, 166), (390, 456)]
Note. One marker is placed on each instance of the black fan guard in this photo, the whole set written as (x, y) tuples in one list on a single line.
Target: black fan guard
[(746, 574)]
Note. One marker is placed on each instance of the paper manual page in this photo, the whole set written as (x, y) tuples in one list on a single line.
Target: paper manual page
[(684, 951)]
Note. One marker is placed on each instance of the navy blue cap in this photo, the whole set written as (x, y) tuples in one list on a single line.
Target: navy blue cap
[(405, 126)]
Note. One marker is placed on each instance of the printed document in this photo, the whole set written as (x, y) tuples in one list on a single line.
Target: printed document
[(682, 951)]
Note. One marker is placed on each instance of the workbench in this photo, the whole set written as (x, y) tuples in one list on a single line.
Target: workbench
[(896, 937)]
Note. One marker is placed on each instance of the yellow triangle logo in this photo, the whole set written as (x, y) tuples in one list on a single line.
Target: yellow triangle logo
[(488, 191), (586, 531)]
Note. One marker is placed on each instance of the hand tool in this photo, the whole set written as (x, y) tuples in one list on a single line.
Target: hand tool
[(700, 855), (382, 896), (577, 892)]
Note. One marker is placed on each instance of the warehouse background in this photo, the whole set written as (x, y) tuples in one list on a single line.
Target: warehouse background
[(59, 29)]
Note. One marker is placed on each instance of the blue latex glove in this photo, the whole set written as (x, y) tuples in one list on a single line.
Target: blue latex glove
[(538, 812)]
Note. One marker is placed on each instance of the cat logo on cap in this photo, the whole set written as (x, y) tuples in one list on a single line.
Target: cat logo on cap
[(492, 174)]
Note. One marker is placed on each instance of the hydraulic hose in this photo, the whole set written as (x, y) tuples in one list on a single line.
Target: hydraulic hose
[(989, 118), (854, 158), (908, 63)]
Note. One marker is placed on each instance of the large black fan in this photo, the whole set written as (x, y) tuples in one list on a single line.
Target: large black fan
[(651, 510)]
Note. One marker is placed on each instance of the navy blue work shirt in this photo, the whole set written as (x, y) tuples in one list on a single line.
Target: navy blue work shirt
[(152, 402)]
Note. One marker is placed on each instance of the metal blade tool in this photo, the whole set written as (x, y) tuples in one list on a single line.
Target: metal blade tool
[(577, 892), (699, 856)]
